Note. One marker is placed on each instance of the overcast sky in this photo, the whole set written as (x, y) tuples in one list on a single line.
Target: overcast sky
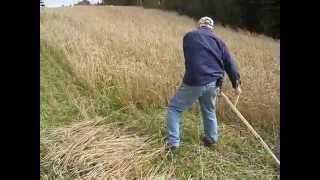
[(57, 3)]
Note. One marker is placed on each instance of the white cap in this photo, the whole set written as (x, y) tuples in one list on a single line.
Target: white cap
[(206, 21)]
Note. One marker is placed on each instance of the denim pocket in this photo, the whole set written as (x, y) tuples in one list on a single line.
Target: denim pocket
[(212, 91)]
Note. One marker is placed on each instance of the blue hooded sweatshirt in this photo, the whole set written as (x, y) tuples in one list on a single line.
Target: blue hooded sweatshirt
[(206, 59)]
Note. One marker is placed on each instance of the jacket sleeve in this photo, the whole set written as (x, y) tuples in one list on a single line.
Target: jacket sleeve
[(230, 67)]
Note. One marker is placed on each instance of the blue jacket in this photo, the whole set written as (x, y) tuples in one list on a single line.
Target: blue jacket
[(206, 59)]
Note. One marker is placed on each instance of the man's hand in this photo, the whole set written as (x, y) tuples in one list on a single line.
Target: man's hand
[(237, 91)]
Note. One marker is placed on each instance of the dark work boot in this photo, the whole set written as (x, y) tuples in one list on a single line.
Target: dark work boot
[(207, 142), (171, 147)]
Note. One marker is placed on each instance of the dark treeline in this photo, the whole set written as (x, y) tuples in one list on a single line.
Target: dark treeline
[(42, 3), (261, 16), (83, 2)]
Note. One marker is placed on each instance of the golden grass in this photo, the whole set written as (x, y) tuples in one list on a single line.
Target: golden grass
[(140, 53), (95, 150)]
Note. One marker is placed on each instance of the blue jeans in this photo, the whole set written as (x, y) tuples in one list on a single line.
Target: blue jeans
[(183, 100)]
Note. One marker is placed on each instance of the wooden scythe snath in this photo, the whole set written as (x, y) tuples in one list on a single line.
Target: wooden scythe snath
[(233, 107)]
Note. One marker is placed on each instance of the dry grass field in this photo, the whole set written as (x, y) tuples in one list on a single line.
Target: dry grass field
[(121, 65)]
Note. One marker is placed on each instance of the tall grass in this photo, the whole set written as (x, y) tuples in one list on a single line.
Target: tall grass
[(125, 63), (139, 52)]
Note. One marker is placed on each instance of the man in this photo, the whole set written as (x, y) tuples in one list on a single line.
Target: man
[(206, 59)]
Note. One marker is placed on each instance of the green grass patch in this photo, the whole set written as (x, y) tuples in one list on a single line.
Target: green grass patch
[(55, 109)]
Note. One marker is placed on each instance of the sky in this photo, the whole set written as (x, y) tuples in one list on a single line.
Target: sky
[(57, 3)]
